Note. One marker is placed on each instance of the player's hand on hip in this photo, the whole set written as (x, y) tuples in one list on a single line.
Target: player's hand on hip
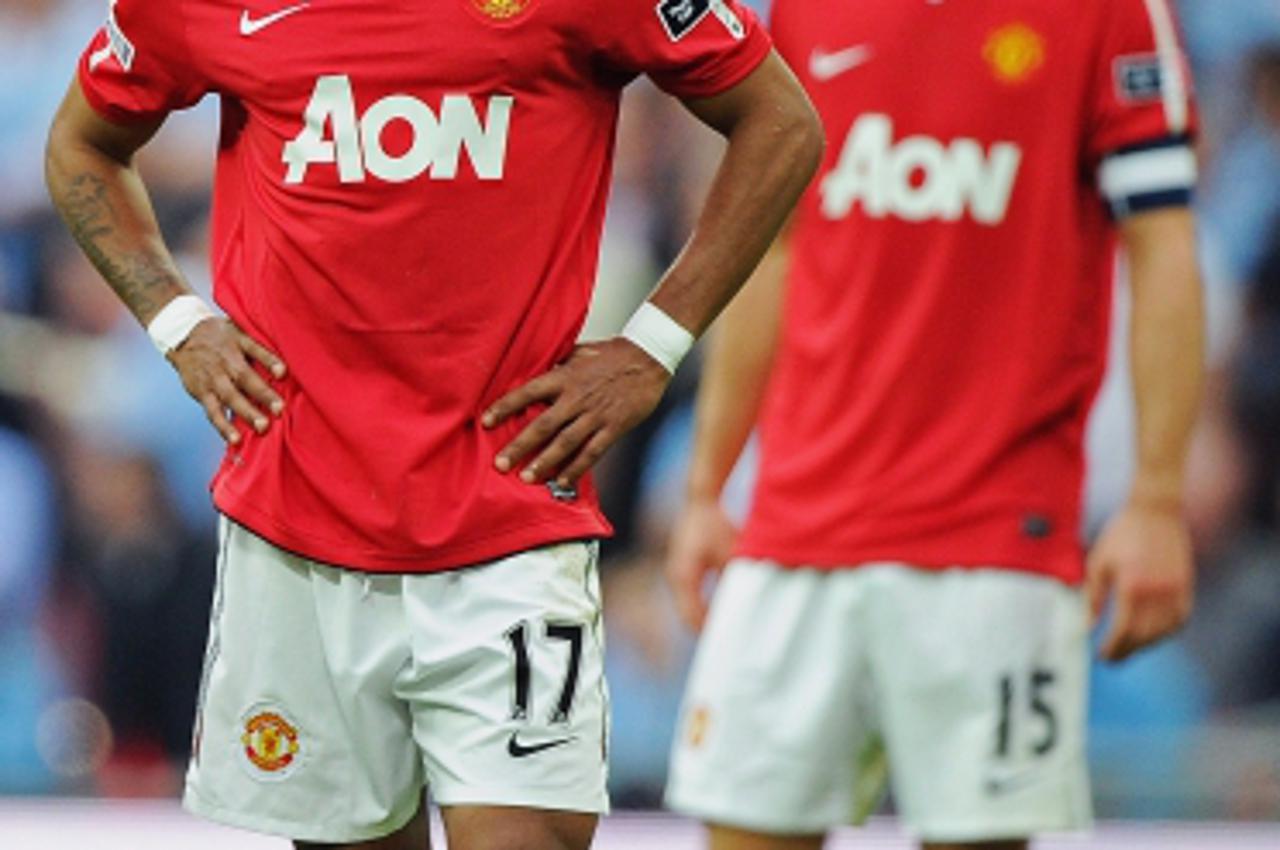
[(1144, 562), (602, 391), (215, 364), (701, 544)]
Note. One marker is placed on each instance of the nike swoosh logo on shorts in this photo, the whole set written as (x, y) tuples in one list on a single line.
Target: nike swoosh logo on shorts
[(998, 785), (248, 25), (517, 750), (824, 66)]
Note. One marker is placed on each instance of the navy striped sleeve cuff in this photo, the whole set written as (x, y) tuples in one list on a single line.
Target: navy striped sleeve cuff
[(1161, 173)]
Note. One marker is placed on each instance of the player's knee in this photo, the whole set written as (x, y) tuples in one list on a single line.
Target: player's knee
[(502, 828)]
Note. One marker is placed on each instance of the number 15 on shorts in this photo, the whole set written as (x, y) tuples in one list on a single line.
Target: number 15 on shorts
[(1027, 723)]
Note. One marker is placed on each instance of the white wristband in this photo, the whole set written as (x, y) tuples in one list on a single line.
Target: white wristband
[(659, 336), (176, 320)]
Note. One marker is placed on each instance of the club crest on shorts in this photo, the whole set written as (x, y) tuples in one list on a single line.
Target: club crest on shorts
[(270, 743), (1014, 52), (696, 727)]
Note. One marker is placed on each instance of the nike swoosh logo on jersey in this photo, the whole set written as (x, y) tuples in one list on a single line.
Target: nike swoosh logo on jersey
[(824, 66), (248, 25), (517, 750)]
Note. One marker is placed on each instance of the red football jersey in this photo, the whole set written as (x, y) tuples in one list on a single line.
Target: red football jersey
[(407, 207), (949, 290)]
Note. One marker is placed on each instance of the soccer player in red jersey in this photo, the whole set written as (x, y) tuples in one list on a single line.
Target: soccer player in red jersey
[(909, 590), (407, 211)]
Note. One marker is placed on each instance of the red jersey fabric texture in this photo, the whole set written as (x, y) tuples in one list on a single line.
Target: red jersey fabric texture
[(948, 293), (407, 208)]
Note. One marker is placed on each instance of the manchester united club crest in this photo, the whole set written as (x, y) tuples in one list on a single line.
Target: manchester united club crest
[(1015, 53), (270, 743), (696, 728), (500, 11)]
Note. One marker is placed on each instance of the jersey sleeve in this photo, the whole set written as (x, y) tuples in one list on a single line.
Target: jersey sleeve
[(690, 48), (137, 66), (1142, 116)]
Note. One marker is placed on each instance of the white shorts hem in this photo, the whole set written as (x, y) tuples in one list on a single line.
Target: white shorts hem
[(993, 829), (947, 832), (753, 819), (591, 804), (329, 833)]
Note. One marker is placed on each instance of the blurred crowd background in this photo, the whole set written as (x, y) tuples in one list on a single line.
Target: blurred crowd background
[(106, 531)]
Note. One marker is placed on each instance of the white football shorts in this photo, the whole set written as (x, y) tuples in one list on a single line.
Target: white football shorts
[(811, 691), (331, 697)]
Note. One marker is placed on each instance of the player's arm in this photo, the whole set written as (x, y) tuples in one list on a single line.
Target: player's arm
[(604, 389), (95, 185), (740, 355), (1144, 557)]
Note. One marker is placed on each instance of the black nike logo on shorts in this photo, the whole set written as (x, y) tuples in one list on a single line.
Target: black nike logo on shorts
[(518, 750), (997, 785)]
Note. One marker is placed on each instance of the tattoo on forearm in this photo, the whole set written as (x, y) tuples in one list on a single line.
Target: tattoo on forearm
[(142, 280)]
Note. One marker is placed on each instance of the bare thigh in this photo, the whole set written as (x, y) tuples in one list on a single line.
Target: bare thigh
[(729, 838), (515, 828)]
